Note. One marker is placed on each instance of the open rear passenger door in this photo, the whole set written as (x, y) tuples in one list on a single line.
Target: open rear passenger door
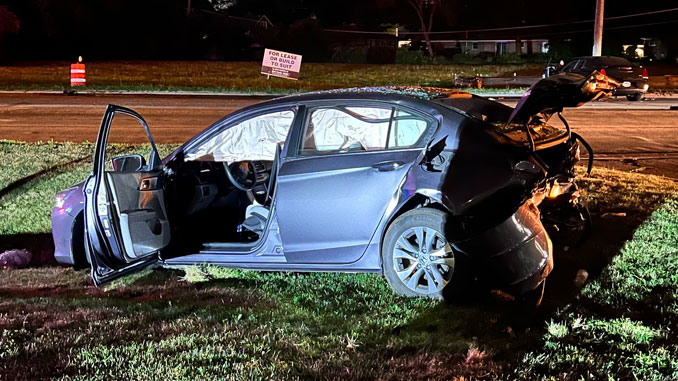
[(126, 222)]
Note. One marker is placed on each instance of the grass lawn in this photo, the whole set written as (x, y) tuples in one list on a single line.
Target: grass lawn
[(242, 77), (209, 323)]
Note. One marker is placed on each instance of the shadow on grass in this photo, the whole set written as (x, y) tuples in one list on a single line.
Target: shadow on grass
[(55, 169), (499, 325), (152, 288), (506, 328), (40, 245)]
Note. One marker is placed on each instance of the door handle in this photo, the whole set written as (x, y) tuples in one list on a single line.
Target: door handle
[(386, 166), (149, 183)]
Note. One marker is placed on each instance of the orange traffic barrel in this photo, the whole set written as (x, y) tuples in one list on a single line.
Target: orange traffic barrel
[(78, 74)]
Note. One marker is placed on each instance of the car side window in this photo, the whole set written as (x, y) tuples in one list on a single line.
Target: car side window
[(569, 67), (342, 129), (406, 129), (578, 65), (255, 138), (346, 129), (584, 65)]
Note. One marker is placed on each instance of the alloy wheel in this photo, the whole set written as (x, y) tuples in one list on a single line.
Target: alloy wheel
[(423, 260)]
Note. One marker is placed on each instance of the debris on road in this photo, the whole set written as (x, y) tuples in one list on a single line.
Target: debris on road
[(631, 161), (613, 214)]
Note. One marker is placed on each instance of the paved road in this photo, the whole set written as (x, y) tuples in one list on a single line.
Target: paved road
[(627, 135)]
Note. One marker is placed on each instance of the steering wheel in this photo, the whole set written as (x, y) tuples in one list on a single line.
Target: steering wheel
[(241, 178)]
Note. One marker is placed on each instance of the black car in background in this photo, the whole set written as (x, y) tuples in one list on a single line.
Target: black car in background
[(633, 78)]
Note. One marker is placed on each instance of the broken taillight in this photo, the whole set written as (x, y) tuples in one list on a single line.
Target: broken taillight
[(645, 76)]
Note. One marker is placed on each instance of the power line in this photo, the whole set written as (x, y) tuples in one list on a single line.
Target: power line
[(590, 29), (642, 14), (359, 31), (510, 28)]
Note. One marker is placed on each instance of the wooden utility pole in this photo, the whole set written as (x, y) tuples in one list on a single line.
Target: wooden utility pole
[(598, 28), (188, 8)]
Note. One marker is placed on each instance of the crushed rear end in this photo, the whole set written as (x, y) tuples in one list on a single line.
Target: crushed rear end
[(516, 169)]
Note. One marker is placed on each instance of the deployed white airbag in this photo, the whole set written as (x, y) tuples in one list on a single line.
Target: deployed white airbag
[(252, 139), (336, 128)]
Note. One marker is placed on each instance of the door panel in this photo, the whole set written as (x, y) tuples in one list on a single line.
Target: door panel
[(140, 207), (330, 206)]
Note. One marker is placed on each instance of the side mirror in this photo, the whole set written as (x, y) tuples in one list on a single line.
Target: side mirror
[(128, 163)]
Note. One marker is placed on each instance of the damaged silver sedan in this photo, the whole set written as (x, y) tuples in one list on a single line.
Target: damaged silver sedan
[(430, 187)]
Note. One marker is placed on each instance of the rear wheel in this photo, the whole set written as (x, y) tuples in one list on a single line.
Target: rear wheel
[(417, 260), (634, 97)]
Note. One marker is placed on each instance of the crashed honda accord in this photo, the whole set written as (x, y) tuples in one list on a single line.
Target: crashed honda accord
[(429, 187)]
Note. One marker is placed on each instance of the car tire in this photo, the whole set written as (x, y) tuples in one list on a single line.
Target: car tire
[(634, 97), (432, 270)]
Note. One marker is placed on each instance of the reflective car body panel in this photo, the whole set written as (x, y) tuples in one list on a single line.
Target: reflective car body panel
[(67, 228), (329, 186)]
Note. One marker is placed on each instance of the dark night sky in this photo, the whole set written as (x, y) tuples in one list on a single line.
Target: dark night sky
[(454, 14), (160, 28)]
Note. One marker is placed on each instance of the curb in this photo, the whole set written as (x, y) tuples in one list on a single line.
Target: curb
[(150, 93), (497, 95), (194, 93)]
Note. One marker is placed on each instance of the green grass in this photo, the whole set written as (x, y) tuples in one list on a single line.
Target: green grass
[(240, 77), (206, 322), (625, 326), (238, 325), (646, 270), (26, 208)]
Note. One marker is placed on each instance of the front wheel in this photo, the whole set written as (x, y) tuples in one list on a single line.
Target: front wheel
[(417, 260)]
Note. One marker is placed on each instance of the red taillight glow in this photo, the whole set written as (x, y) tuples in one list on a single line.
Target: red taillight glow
[(645, 76), (602, 71)]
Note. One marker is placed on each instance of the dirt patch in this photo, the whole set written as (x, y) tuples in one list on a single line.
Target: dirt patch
[(667, 167), (172, 290), (427, 365)]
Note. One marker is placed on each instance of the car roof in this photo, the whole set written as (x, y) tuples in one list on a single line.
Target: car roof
[(601, 58), (418, 97), (378, 93)]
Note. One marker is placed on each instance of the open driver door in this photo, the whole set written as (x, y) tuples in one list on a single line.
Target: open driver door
[(126, 222)]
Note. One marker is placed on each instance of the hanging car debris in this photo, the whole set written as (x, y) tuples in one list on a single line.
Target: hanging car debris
[(430, 187)]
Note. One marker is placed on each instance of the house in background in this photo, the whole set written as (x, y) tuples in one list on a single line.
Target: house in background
[(346, 46), (651, 48), (493, 47), (252, 22)]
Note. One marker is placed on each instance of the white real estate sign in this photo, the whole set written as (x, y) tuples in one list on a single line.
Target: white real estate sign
[(281, 64)]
